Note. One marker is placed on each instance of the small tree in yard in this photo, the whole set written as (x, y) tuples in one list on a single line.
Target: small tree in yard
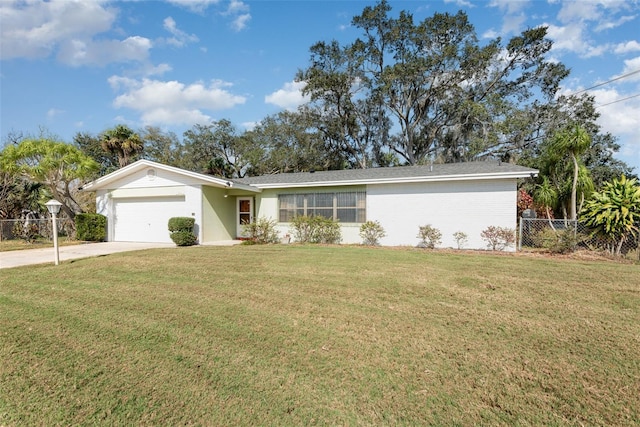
[(429, 236), (498, 238), (58, 166), (371, 233), (461, 238)]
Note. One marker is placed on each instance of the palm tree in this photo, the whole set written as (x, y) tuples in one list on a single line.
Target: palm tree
[(547, 196), (573, 141), (123, 142)]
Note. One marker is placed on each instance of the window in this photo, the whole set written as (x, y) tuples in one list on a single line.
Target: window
[(291, 205), (345, 207)]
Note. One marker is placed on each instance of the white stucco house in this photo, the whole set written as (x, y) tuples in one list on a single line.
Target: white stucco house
[(139, 199)]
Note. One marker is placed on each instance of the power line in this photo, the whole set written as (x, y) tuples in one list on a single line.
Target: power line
[(608, 81), (618, 100)]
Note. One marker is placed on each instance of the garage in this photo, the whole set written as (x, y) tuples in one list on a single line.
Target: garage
[(139, 199), (144, 219)]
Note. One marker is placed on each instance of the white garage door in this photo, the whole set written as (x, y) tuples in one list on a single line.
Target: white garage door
[(144, 219)]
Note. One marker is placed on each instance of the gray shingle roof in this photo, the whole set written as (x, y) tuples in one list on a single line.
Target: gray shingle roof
[(400, 173)]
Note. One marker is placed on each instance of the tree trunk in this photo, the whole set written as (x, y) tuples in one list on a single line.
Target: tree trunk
[(574, 189), (549, 218)]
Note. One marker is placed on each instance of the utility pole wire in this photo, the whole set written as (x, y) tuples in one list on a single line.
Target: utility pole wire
[(608, 81), (618, 100)]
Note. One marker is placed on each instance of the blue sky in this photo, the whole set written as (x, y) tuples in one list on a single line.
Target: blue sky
[(80, 65)]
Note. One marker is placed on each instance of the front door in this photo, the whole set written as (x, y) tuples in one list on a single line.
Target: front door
[(244, 214)]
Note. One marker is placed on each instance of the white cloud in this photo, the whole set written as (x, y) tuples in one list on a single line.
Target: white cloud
[(102, 52), (608, 25), (568, 37), (513, 24), (514, 17), (118, 82), (621, 119), (239, 12), (509, 6), (630, 46), (180, 38), (573, 11), (581, 19), (490, 34), (461, 3), (35, 29), (249, 125), (237, 7), (68, 29), (169, 116), (631, 65), (172, 102), (240, 22), (197, 6), (53, 112), (289, 97), (572, 38), (155, 70)]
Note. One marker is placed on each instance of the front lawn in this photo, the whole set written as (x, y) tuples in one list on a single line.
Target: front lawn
[(20, 244), (320, 335)]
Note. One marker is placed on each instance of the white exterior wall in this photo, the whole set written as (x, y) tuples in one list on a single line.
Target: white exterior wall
[(467, 206), (141, 185), (267, 206)]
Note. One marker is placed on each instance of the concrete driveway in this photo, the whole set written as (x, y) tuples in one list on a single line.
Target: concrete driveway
[(45, 255)]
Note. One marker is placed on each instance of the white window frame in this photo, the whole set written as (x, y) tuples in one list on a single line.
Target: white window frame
[(304, 204)]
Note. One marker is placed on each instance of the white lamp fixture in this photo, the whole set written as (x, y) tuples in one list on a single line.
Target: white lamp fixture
[(54, 207)]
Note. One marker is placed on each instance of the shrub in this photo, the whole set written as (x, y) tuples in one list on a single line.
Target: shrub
[(328, 231), (558, 241), (91, 227), (614, 212), (302, 228), (315, 229), (183, 238), (261, 231), (498, 238), (461, 238), (371, 233), (27, 230), (181, 223), (181, 228), (429, 236)]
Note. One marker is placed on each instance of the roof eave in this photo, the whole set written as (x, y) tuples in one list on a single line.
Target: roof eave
[(103, 182), (439, 178)]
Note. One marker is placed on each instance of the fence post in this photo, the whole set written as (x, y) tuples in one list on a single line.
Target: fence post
[(520, 235)]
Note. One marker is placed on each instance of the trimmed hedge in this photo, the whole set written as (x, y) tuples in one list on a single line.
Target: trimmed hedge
[(181, 228), (183, 238), (181, 223), (91, 227)]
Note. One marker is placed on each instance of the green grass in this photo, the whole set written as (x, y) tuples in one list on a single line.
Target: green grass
[(316, 335), (18, 244)]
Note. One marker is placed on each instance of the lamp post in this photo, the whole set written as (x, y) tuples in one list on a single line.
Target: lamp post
[(54, 207)]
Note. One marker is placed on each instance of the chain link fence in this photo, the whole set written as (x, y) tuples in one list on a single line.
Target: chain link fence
[(562, 236), (35, 228)]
